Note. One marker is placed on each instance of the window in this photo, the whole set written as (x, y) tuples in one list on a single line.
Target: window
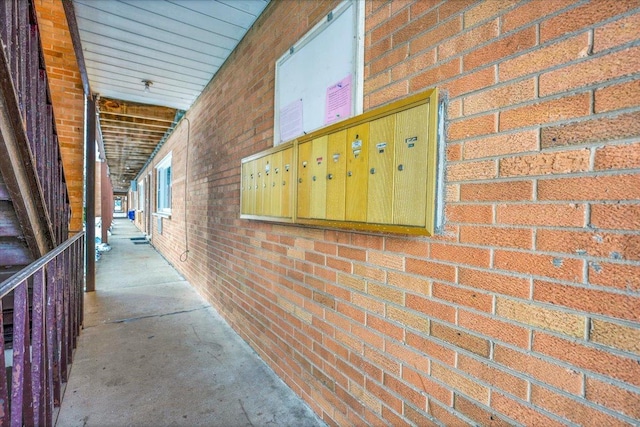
[(163, 173), (319, 80), (141, 195)]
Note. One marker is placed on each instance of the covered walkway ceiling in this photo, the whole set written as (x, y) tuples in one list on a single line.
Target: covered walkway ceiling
[(158, 53)]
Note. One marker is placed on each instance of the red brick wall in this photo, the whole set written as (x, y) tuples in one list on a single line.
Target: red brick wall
[(67, 96), (527, 308)]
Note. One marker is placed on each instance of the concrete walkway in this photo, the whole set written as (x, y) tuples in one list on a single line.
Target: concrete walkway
[(154, 353)]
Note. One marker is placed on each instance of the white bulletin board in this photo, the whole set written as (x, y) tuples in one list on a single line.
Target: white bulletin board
[(316, 69)]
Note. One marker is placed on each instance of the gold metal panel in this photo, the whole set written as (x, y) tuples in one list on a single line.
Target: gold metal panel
[(267, 187), (244, 194), (304, 180), (381, 166), (357, 172), (336, 175), (260, 186), (410, 183), (252, 186), (286, 181), (318, 206), (275, 184)]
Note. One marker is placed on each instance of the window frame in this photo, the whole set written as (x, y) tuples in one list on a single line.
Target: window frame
[(164, 180), (140, 196)]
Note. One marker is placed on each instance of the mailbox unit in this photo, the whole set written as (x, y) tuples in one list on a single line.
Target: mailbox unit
[(375, 171), (267, 185)]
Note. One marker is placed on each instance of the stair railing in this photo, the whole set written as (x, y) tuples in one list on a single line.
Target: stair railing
[(47, 300)]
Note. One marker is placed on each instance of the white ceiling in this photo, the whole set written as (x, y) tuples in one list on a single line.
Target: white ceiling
[(178, 45)]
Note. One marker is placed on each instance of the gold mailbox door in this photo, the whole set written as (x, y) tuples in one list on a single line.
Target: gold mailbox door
[(251, 187), (286, 175), (336, 175), (267, 170), (274, 182), (357, 173), (381, 165), (410, 183), (244, 179), (304, 179), (318, 171), (261, 185)]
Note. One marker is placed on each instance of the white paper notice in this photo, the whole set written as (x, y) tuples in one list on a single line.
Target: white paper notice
[(291, 121), (338, 101)]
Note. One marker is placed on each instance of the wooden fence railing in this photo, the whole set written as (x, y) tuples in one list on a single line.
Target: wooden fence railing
[(47, 300)]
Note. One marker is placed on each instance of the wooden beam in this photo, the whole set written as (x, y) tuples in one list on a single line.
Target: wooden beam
[(136, 124), (123, 131), (77, 43), (135, 116)]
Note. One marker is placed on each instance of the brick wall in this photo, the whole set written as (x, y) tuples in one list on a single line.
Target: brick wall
[(526, 309), (67, 96)]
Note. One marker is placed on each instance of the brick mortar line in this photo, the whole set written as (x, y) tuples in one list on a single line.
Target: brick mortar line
[(557, 96), (585, 174), (630, 202), (541, 126)]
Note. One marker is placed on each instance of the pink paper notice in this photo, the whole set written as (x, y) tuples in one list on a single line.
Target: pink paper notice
[(338, 103)]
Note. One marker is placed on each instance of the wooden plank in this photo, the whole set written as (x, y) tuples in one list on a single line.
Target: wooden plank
[(9, 224), (15, 252), (133, 123)]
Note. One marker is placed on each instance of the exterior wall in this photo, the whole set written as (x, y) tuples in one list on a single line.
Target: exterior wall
[(527, 308), (67, 96)]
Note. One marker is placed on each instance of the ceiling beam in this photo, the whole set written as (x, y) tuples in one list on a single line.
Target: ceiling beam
[(128, 132), (135, 116), (133, 123)]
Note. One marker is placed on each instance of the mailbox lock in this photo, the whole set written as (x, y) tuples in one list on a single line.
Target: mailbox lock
[(284, 183), (304, 164), (313, 178), (349, 173), (330, 176), (299, 180), (273, 184), (400, 168), (372, 171), (277, 170)]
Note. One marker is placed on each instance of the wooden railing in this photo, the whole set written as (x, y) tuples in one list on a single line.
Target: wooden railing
[(47, 300)]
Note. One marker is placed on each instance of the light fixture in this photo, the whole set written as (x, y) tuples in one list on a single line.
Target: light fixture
[(147, 85)]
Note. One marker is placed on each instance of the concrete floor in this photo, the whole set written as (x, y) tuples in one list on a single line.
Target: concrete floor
[(154, 353)]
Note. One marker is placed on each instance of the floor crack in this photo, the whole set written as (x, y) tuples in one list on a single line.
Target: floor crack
[(131, 319)]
